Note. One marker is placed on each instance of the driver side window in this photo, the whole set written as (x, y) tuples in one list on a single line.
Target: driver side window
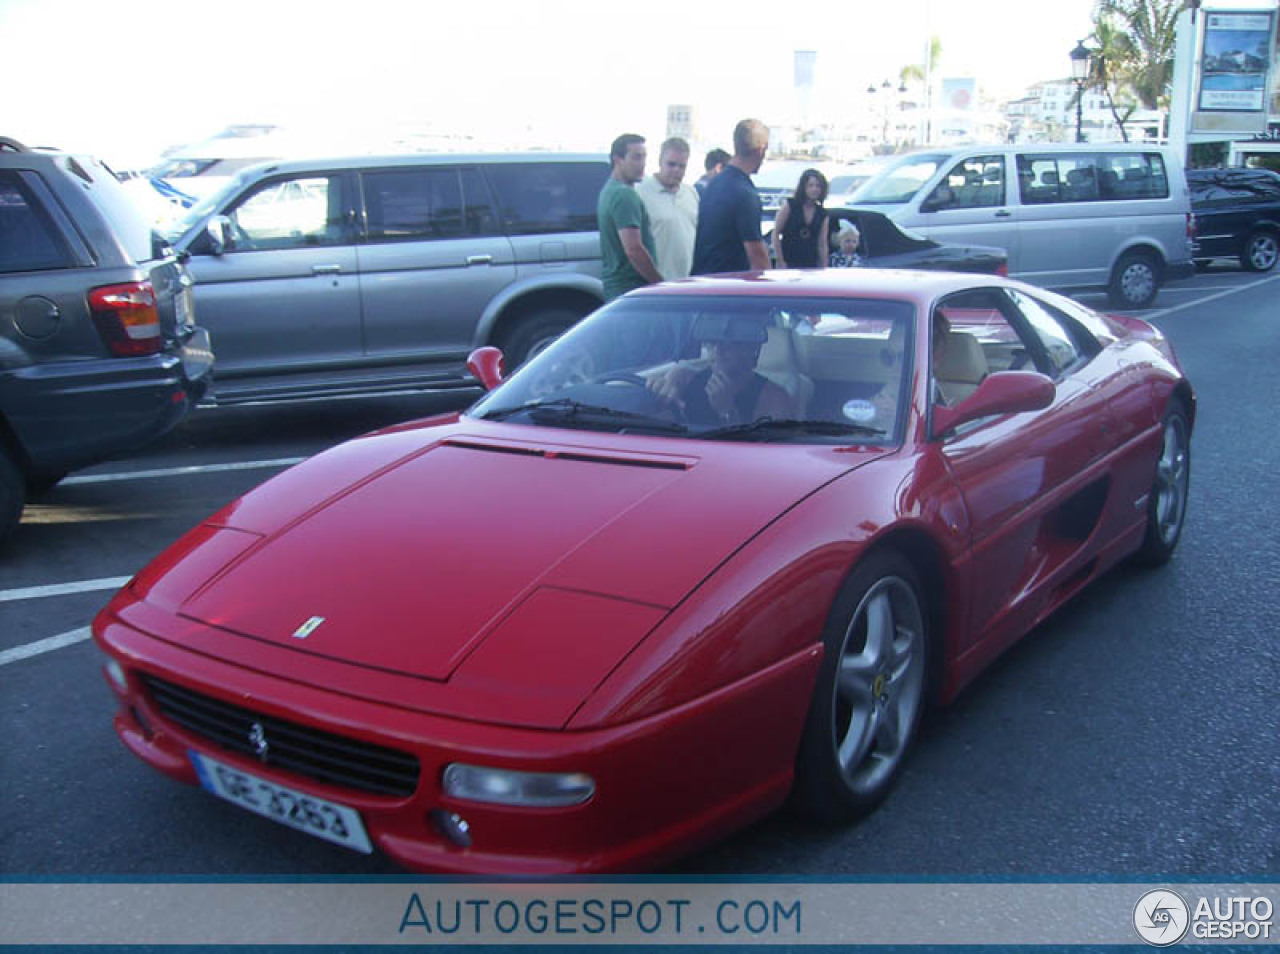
[(301, 212), (974, 183)]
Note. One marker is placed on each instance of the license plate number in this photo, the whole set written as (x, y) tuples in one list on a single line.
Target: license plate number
[(315, 816)]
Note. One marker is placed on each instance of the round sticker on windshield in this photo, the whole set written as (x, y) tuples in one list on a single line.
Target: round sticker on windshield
[(859, 411)]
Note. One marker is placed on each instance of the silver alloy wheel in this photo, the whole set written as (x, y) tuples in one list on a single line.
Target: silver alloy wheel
[(1263, 251), (1172, 475), (879, 686), (1138, 281)]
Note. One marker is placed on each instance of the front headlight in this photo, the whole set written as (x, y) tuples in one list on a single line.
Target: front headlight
[(528, 789)]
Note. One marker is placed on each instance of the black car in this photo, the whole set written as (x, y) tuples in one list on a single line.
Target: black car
[(1237, 216), (885, 244), (99, 352)]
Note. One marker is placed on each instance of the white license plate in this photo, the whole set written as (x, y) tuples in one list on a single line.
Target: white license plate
[(315, 816)]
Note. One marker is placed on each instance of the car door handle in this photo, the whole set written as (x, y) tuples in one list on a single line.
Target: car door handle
[(326, 269), (479, 259), (1003, 214)]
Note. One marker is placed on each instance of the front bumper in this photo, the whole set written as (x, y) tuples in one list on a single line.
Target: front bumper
[(664, 785)]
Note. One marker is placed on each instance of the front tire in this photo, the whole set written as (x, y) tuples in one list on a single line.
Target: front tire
[(1135, 281), (1260, 252), (533, 332), (1167, 502), (871, 691)]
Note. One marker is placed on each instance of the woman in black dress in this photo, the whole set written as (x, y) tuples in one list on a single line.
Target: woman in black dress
[(800, 231)]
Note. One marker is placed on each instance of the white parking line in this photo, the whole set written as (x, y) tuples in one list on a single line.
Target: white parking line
[(1208, 298), (44, 645), (63, 589), (181, 471)]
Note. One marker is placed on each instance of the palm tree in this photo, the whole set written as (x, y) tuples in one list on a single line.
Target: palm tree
[(922, 72), (1112, 49), (1146, 66)]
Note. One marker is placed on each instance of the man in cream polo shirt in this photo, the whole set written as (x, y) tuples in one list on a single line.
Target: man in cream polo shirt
[(672, 208)]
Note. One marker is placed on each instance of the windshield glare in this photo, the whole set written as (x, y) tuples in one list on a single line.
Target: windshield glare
[(810, 370), (899, 181)]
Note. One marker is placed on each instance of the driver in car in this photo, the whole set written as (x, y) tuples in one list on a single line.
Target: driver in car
[(728, 390)]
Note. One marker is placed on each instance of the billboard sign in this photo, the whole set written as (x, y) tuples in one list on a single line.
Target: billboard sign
[(1237, 54)]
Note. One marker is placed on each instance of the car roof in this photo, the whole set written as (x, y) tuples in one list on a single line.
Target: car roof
[(917, 286), (421, 159)]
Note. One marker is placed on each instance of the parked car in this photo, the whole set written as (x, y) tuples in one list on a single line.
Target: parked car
[(585, 627), (1237, 216), (847, 180), (367, 275), (1081, 217), (885, 244), (777, 179), (99, 350)]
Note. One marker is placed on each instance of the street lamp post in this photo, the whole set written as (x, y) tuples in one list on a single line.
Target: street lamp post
[(1079, 76)]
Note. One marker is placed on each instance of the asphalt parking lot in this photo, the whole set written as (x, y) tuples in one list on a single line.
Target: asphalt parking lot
[(1134, 733)]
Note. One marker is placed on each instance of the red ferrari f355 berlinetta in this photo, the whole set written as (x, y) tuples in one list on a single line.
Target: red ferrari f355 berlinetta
[(721, 544)]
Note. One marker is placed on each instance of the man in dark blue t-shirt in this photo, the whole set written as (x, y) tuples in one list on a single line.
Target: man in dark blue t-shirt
[(729, 238)]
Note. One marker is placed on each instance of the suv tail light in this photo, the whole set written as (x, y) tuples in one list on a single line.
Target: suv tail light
[(127, 318), (1191, 227)]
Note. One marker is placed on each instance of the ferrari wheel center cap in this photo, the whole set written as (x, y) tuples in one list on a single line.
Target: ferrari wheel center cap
[(877, 687)]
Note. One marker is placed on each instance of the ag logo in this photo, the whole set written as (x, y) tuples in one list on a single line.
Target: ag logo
[(1161, 917)]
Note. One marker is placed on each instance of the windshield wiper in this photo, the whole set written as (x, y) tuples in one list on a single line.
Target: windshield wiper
[(767, 426), (569, 412)]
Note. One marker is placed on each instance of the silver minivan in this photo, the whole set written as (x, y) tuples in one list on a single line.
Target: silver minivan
[(1072, 217), (368, 275)]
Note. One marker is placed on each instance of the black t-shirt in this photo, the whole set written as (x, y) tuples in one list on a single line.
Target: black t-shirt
[(728, 215)]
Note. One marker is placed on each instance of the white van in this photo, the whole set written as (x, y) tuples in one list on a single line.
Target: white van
[(1083, 216)]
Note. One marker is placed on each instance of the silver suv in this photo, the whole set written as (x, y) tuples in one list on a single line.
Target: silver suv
[(366, 275), (99, 352)]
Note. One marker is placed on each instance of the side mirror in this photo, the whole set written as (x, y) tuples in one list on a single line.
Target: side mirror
[(217, 229), (486, 364), (1005, 392)]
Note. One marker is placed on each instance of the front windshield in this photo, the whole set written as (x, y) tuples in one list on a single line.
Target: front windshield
[(759, 368), (899, 181)]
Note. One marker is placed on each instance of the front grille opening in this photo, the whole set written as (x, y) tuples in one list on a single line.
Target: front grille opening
[(307, 752)]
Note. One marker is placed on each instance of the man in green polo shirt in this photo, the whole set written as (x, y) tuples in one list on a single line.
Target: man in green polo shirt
[(626, 241)]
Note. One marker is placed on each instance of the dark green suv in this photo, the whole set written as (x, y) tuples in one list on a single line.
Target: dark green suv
[(99, 352)]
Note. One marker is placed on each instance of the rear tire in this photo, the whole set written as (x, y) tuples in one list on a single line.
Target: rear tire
[(871, 691), (532, 333), (1167, 501), (1135, 281), (12, 493), (1260, 252)]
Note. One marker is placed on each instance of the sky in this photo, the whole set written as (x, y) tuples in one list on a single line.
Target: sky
[(124, 80)]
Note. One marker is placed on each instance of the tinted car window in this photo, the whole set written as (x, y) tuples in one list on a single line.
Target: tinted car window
[(548, 196), (479, 209), (1085, 177), (122, 213), (413, 204), (28, 239), (298, 212)]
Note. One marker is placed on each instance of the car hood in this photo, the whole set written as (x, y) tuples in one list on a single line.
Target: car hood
[(413, 547)]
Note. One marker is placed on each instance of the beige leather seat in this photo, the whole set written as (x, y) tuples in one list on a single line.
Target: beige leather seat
[(962, 368), (779, 363)]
